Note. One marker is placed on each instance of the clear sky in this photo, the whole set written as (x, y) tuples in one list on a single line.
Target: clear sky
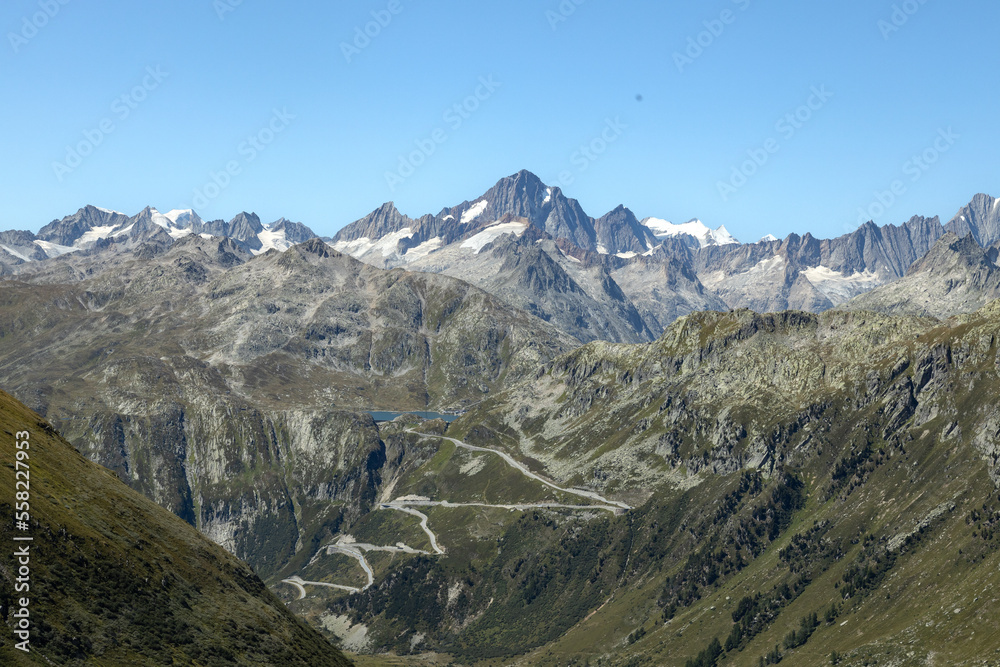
[(123, 104)]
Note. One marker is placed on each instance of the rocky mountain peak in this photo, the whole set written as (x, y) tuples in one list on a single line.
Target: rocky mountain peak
[(384, 220), (246, 224), (981, 218), (185, 219), (316, 247), (295, 232), (952, 252), (68, 229), (620, 230)]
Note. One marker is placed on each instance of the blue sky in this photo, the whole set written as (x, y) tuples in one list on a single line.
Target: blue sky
[(228, 106)]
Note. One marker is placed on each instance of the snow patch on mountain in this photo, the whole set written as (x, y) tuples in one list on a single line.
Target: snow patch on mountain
[(182, 216), (474, 211), (491, 233), (650, 252), (15, 253), (569, 257), (767, 238), (54, 249), (271, 240), (424, 249), (705, 235), (160, 219), (355, 248), (768, 270), (93, 235), (178, 233), (839, 287), (387, 244)]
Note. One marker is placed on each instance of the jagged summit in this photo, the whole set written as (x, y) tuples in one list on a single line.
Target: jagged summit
[(981, 218), (386, 233), (94, 228)]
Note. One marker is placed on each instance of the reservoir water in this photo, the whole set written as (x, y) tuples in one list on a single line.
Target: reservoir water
[(383, 416)]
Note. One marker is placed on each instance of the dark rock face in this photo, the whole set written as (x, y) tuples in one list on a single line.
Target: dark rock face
[(16, 245), (384, 220), (890, 248), (523, 195), (981, 218), (17, 238), (107, 547), (774, 276), (67, 230), (952, 251), (295, 232), (620, 231), (526, 275), (956, 276), (244, 227)]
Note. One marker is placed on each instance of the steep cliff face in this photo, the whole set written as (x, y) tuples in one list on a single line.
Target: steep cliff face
[(811, 274), (981, 218), (956, 276), (619, 231), (258, 483), (113, 579)]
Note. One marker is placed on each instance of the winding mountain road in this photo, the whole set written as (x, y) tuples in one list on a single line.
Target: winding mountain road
[(299, 583), (356, 550), (401, 504), (400, 507), (583, 493)]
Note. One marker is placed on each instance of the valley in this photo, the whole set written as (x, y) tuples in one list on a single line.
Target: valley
[(602, 448)]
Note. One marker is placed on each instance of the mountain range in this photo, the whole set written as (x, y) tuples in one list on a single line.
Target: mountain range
[(95, 229), (615, 278)]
